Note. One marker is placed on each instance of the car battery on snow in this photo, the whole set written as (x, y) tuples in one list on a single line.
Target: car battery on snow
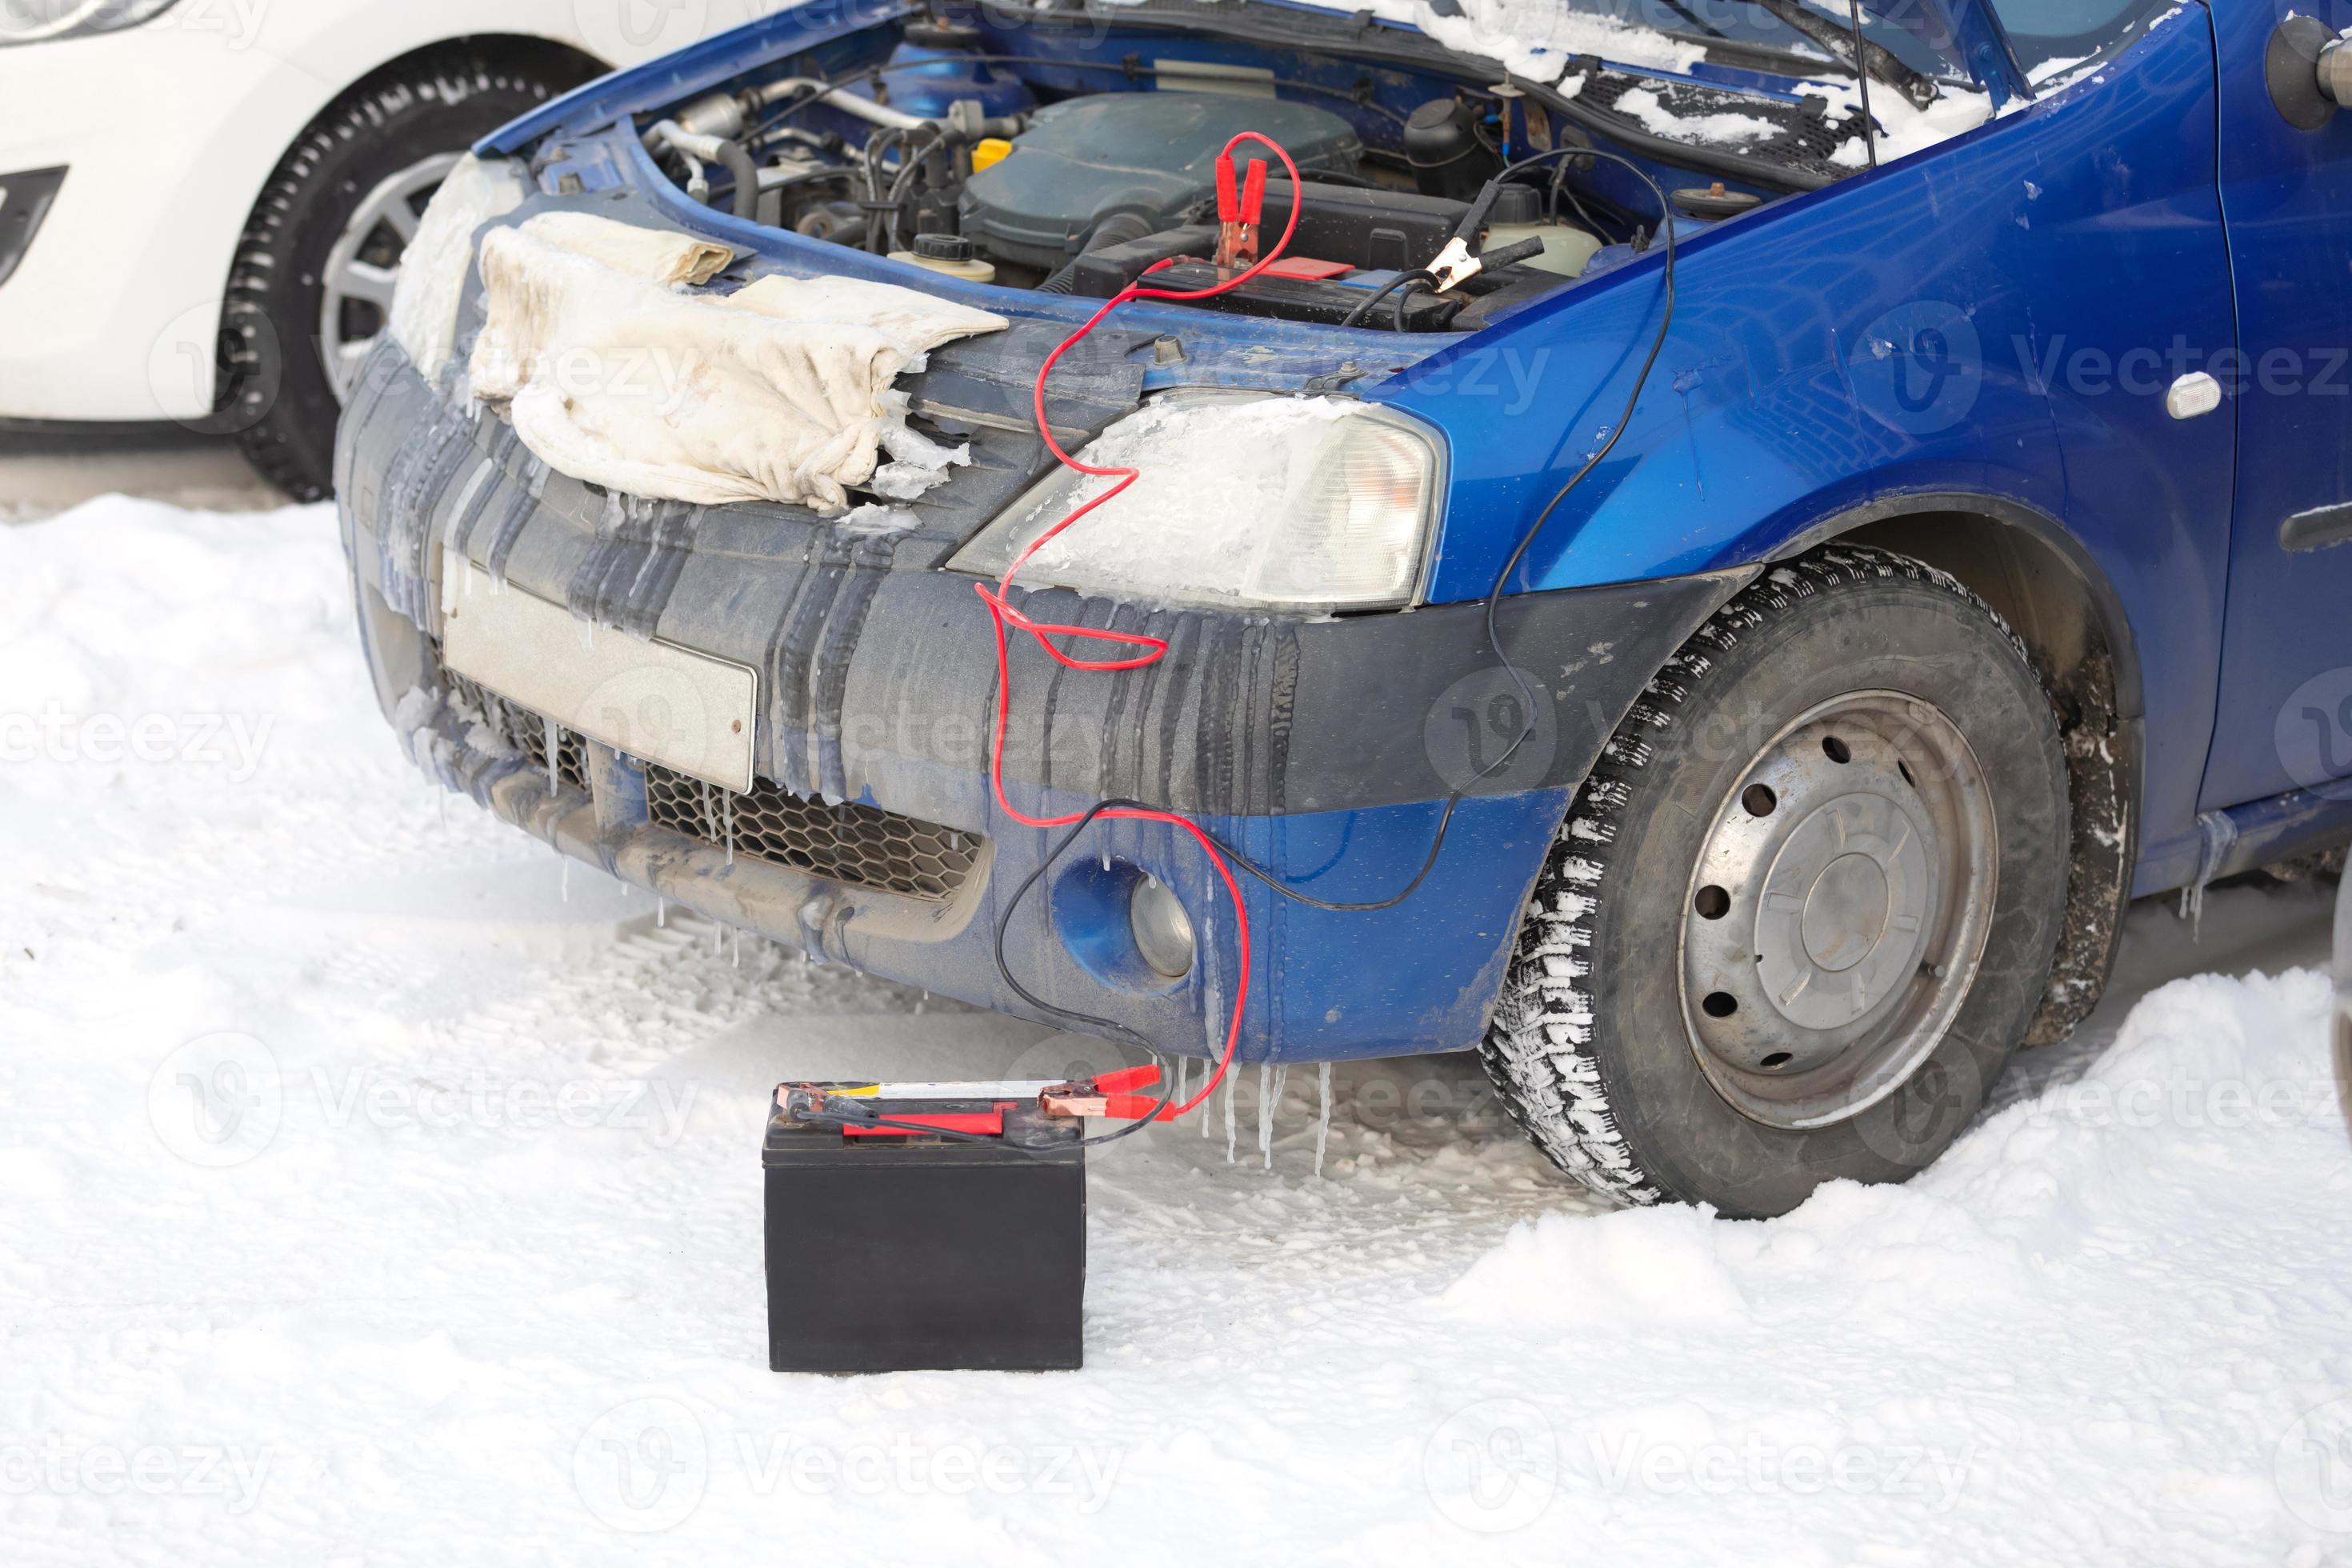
[(924, 1226)]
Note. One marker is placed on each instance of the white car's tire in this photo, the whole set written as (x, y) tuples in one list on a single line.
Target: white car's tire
[(311, 282)]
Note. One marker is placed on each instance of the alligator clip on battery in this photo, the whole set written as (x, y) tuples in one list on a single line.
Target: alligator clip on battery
[(1240, 214)]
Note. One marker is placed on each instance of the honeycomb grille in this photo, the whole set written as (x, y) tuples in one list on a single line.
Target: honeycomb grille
[(524, 731), (845, 843)]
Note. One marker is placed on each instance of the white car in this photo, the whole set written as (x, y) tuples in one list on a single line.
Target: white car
[(203, 202)]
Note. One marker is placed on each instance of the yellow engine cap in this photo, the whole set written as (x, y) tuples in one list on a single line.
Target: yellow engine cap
[(989, 152)]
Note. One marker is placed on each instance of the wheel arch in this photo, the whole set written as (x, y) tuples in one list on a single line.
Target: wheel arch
[(514, 50), (2054, 596), (250, 361)]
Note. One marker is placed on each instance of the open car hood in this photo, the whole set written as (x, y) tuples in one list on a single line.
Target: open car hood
[(1964, 34)]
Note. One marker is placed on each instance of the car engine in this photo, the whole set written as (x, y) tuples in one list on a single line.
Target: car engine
[(948, 158)]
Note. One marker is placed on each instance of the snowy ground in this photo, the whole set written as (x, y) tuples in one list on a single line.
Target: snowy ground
[(371, 1197)]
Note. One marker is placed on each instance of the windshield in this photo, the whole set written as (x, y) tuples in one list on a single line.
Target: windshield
[(1791, 36), (2052, 36)]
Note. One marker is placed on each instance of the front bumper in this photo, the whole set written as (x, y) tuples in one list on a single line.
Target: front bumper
[(113, 311), (1323, 749)]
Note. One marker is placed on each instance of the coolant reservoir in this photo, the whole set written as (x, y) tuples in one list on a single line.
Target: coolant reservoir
[(1518, 214), (948, 253)]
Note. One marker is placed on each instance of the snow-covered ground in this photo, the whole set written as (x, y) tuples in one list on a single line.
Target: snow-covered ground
[(376, 1193)]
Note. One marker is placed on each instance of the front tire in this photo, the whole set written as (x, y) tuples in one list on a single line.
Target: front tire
[(1805, 906), (312, 282)]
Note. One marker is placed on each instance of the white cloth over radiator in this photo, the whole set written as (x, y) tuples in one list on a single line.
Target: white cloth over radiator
[(780, 392)]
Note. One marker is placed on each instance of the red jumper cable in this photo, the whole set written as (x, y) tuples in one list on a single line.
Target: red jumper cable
[(1239, 215)]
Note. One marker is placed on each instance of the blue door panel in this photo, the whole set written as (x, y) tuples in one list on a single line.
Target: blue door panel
[(2286, 673)]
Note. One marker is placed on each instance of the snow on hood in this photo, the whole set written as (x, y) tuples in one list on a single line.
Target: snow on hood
[(1538, 40)]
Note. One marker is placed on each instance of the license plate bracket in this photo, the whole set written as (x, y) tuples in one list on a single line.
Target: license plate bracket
[(655, 701)]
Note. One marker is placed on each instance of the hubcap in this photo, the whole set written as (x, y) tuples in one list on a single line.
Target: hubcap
[(365, 266), (1839, 910)]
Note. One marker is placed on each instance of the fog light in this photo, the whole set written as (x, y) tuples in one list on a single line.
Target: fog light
[(1163, 931)]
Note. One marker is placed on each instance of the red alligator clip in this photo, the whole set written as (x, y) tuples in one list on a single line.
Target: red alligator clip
[(1239, 215)]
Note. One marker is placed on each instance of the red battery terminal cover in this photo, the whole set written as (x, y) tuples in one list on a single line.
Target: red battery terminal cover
[(850, 1104), (904, 1124)]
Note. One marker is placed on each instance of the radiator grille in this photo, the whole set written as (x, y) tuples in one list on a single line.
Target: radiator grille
[(524, 731), (845, 843)]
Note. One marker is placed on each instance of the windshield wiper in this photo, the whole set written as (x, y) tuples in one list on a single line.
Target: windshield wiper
[(1881, 63)]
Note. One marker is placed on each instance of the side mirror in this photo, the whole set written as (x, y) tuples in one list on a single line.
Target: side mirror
[(2310, 72)]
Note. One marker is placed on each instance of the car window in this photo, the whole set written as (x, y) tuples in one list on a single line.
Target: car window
[(2051, 35)]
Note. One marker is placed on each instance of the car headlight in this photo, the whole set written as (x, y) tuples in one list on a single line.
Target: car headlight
[(37, 21), (1244, 500), (432, 268)]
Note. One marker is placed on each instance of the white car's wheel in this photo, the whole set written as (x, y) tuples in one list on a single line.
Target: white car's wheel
[(312, 284)]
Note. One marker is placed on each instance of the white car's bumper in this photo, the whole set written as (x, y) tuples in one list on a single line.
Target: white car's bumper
[(113, 311)]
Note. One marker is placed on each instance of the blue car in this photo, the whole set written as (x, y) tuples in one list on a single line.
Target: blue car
[(1704, 552)]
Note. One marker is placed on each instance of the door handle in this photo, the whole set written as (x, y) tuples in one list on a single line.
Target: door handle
[(2317, 529), (2193, 396)]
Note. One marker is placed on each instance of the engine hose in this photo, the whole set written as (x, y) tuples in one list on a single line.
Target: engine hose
[(1116, 229), (715, 149), (1357, 317)]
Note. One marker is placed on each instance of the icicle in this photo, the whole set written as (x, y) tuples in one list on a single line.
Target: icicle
[(1323, 1120), (567, 878), (738, 946), (1273, 1108), (661, 910), (555, 752), (727, 807), (1106, 862), (1232, 1083), (1265, 1114), (709, 815)]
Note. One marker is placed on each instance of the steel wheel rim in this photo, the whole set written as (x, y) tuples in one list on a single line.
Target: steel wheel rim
[(363, 267), (1838, 912)]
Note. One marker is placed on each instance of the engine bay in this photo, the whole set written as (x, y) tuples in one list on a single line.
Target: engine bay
[(1427, 200)]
